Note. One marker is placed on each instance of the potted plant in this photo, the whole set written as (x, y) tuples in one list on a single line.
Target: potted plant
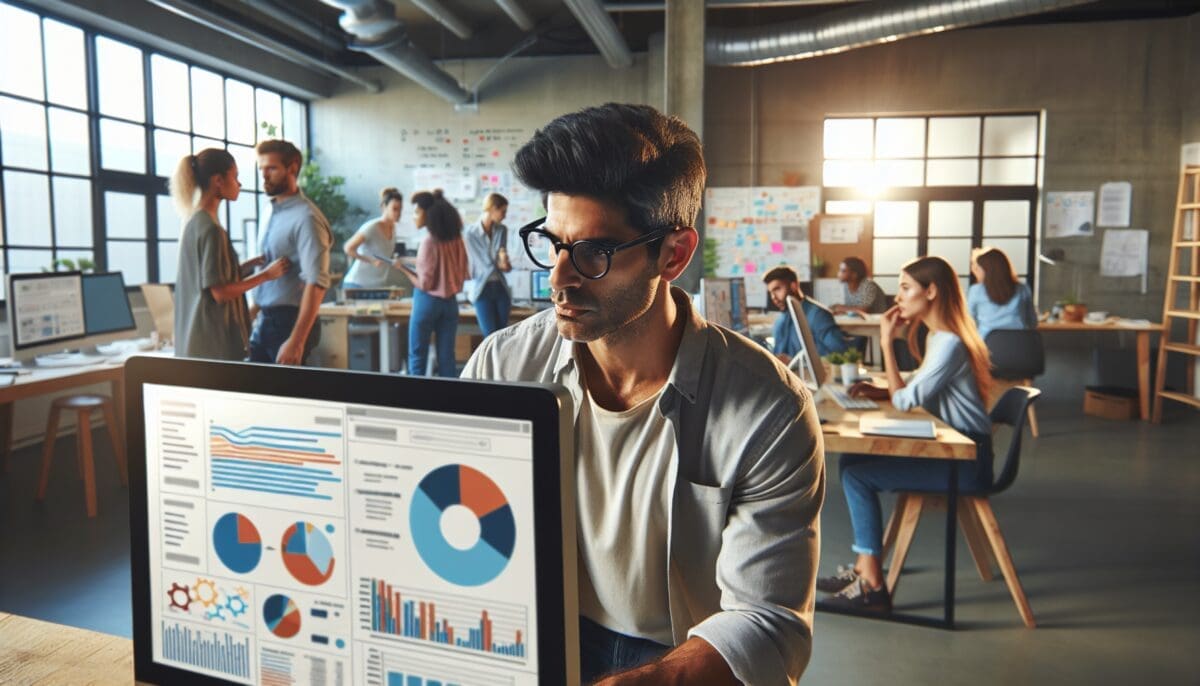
[(1073, 310), (847, 365)]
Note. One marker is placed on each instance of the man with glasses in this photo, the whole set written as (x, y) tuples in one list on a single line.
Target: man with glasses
[(699, 461)]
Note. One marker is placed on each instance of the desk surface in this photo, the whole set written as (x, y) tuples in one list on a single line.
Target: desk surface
[(842, 435), (37, 652), (1110, 325)]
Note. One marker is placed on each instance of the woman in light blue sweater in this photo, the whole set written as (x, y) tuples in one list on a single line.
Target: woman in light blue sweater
[(951, 384), (998, 300)]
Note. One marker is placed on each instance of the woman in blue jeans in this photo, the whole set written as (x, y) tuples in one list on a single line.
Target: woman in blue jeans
[(951, 384), (441, 268), (488, 256)]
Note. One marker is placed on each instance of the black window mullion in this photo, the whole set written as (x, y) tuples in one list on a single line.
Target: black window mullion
[(151, 198), (49, 152), (99, 230)]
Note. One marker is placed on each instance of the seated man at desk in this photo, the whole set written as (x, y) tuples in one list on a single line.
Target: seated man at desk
[(781, 282), (699, 467)]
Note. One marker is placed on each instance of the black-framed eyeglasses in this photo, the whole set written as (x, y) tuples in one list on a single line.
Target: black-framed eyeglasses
[(592, 259)]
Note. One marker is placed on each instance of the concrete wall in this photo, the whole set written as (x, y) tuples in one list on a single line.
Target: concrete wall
[(1117, 108)]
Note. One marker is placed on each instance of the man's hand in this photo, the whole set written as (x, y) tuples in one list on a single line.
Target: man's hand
[(694, 661), (291, 352)]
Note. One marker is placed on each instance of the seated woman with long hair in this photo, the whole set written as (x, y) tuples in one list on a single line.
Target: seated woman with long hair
[(951, 384), (998, 300)]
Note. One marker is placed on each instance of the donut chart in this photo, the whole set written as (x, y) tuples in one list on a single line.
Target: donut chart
[(282, 616), (237, 542), (456, 484), (307, 554)]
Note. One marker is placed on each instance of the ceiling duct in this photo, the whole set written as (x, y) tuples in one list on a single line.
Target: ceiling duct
[(379, 34), (602, 30), (517, 13), (444, 16), (860, 26)]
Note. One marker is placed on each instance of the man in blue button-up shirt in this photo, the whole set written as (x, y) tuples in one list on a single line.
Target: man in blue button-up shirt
[(782, 282)]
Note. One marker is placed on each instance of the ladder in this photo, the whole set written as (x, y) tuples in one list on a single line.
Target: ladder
[(1179, 274)]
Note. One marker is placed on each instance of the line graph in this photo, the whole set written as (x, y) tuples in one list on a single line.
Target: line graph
[(277, 460)]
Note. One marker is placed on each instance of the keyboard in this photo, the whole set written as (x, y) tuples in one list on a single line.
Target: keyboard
[(843, 399)]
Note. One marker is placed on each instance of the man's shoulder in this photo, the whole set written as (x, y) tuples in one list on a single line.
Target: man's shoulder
[(521, 352), (750, 371)]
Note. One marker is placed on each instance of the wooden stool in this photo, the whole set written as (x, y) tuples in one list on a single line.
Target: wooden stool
[(83, 405)]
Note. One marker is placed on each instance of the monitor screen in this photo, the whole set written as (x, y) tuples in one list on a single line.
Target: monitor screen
[(105, 305), (806, 363), (539, 286), (724, 302), (45, 308), (304, 536)]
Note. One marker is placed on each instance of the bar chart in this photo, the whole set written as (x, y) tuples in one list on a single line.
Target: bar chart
[(496, 629), (387, 668), (216, 651)]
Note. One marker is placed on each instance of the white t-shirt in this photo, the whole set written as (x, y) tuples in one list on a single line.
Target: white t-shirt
[(623, 472)]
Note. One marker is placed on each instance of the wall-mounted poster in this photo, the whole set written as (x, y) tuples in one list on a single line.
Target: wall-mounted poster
[(1069, 213)]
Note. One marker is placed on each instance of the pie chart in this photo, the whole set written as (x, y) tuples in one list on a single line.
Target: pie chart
[(307, 554), (237, 542), (282, 616), (452, 485)]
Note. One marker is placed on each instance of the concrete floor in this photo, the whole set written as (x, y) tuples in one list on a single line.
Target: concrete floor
[(1102, 523)]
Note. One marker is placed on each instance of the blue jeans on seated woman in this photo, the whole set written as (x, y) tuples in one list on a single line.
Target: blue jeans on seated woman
[(492, 307), (603, 651), (432, 317), (864, 476)]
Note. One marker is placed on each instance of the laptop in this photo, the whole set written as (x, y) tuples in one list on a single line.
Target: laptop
[(296, 525)]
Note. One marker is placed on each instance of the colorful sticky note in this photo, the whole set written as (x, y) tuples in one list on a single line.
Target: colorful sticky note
[(751, 268), (777, 248)]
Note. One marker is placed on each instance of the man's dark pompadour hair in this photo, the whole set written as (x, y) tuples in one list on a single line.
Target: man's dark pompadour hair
[(633, 157)]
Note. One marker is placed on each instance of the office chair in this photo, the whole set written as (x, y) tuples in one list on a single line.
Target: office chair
[(1017, 357), (975, 514)]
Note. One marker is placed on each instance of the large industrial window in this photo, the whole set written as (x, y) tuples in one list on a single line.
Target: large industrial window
[(938, 185), (92, 127)]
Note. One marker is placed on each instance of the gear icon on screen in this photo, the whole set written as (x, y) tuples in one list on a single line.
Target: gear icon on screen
[(205, 591), (218, 612), (241, 590), (235, 605), (180, 596)]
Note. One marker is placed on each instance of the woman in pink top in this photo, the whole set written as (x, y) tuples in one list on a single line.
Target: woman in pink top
[(441, 271)]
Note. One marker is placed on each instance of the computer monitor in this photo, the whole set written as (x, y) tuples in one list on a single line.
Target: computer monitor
[(806, 363), (105, 305), (45, 308), (724, 301), (303, 525), (539, 286)]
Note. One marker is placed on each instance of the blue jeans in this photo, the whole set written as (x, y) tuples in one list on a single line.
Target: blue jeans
[(492, 307), (864, 476), (432, 316), (272, 329), (602, 651)]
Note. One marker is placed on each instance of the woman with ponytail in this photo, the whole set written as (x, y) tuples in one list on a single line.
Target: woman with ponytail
[(441, 269), (951, 384), (371, 246), (211, 319)]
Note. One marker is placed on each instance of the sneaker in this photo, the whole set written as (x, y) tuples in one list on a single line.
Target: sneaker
[(844, 577), (857, 598)]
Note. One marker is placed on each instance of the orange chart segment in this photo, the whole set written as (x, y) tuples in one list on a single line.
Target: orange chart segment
[(479, 493)]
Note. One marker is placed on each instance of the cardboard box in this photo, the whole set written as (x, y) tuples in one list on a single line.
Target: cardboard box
[(1110, 403)]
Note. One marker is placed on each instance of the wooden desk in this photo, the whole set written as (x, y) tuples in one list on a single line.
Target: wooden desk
[(841, 435), (1143, 332), (49, 380), (40, 653), (335, 319)]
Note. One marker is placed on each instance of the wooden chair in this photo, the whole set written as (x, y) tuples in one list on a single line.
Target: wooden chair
[(975, 515), (82, 405), (1017, 358)]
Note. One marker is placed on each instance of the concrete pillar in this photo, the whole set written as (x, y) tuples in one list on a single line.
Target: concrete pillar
[(685, 91)]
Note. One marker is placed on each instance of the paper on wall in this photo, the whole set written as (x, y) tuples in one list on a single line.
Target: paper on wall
[(1124, 252), (841, 229), (1116, 201), (827, 291), (1069, 213)]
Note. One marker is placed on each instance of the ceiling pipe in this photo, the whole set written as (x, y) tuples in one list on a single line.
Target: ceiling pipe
[(296, 23), (857, 27), (720, 4), (379, 34), (235, 30), (517, 13), (444, 16), (603, 32)]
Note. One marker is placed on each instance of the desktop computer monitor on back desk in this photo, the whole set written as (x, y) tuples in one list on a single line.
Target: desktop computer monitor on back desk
[(105, 306), (45, 308), (806, 363)]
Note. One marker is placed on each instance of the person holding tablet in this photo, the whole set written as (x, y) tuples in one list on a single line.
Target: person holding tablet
[(997, 299), (699, 462), (951, 384), (371, 246)]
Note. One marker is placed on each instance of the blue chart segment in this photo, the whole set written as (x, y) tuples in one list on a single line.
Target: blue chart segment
[(237, 542), (307, 554), (452, 485), (282, 616), (394, 669), (279, 460), (214, 650)]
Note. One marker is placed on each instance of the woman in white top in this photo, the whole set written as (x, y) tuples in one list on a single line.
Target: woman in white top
[(372, 245), (951, 384)]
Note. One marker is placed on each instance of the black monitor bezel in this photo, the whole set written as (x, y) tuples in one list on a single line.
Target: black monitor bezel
[(12, 309), (128, 306), (503, 400)]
